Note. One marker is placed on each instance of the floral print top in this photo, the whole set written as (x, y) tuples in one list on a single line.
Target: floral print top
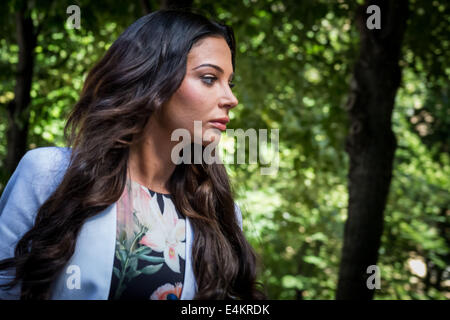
[(150, 249)]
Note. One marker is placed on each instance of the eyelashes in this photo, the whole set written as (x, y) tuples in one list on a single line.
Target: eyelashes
[(209, 81)]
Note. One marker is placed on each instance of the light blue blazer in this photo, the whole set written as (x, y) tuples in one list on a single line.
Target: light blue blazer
[(38, 174)]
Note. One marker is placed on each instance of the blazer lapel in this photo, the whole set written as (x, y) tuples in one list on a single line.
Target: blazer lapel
[(93, 259), (190, 285)]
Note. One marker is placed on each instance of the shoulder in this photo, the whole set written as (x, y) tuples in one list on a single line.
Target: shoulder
[(37, 175), (46, 157), (40, 164), (39, 172)]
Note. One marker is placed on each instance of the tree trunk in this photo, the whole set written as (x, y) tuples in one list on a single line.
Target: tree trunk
[(166, 4), (146, 7), (176, 4), (18, 108), (370, 143)]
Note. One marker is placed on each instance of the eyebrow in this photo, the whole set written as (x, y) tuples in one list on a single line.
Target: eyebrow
[(212, 66)]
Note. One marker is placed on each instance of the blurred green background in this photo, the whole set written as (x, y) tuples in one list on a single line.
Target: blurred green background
[(293, 69)]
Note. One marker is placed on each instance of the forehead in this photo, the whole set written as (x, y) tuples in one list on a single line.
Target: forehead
[(213, 50)]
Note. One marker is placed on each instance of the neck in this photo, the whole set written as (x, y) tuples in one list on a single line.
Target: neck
[(150, 161)]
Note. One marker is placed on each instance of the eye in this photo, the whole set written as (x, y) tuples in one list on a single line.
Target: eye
[(209, 80)]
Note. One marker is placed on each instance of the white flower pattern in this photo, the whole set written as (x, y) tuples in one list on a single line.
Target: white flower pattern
[(146, 222), (166, 233)]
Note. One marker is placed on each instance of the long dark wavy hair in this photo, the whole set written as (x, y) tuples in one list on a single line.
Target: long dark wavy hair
[(137, 75)]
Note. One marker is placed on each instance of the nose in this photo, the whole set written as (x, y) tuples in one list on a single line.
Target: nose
[(229, 100)]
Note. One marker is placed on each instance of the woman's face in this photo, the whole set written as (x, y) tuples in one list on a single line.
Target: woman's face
[(204, 94)]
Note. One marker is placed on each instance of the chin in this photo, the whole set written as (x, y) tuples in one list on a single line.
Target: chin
[(211, 139)]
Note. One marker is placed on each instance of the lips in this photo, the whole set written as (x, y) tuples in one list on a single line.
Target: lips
[(220, 123), (223, 120)]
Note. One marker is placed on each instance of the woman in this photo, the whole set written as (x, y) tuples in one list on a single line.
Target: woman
[(112, 216)]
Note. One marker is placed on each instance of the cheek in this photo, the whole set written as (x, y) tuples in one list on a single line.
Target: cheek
[(192, 99), (193, 102)]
